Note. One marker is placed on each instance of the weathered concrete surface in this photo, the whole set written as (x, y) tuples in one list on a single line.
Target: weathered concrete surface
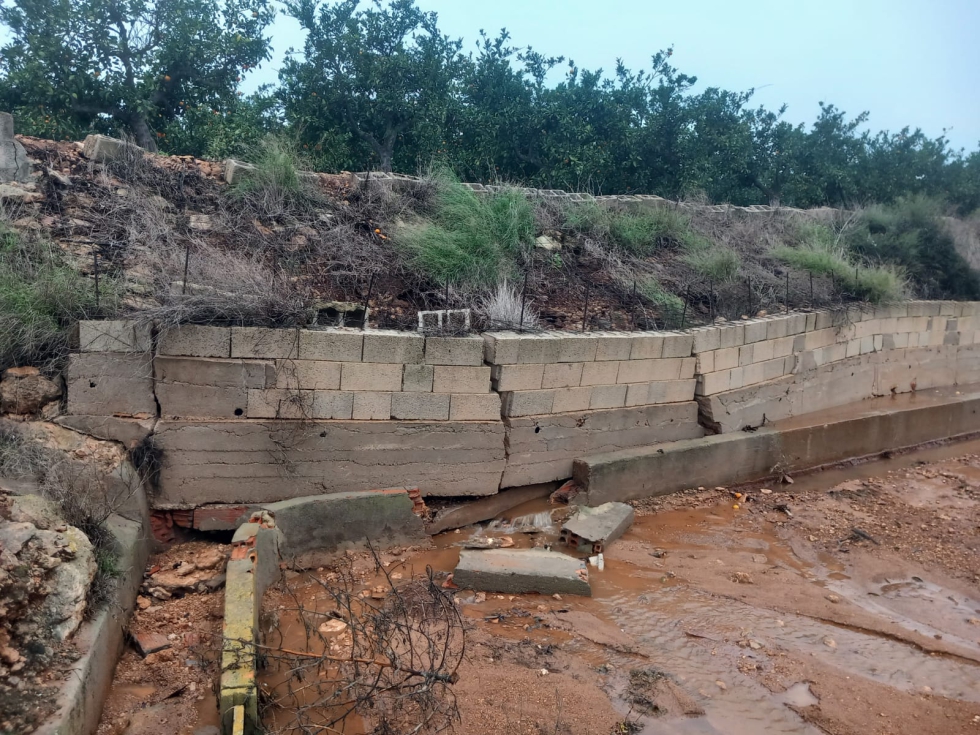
[(477, 511), (542, 448), (667, 468), (317, 527), (519, 571), (100, 641), (14, 163), (129, 432), (110, 383), (593, 529), (797, 444), (258, 462)]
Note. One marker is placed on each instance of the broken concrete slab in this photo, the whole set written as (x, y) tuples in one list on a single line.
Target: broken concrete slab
[(593, 529), (477, 511), (317, 527), (517, 571)]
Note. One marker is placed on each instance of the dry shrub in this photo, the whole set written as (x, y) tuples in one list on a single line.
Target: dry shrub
[(391, 661), (223, 286), (506, 308)]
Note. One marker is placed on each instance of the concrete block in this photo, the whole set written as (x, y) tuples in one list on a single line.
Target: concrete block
[(811, 322), (796, 324), (333, 404), (613, 345), (370, 407), (307, 375), (577, 348), (185, 401), (706, 362), (825, 320), (128, 432), (418, 378), (264, 343), (711, 383), (562, 375), (753, 374), (517, 377), (600, 373), (735, 377), (103, 148), (776, 328), (783, 347), (608, 396), (317, 527), (215, 372), (521, 571), (474, 407), (275, 403), (591, 530), (247, 462), (110, 383), (193, 340), (461, 379), (678, 345), (572, 399), (371, 376), (237, 171), (638, 394), (501, 348), (454, 350), (391, 346), (335, 345), (763, 351), (114, 336), (539, 348), (727, 358), (756, 330), (706, 339), (647, 346), (420, 406), (732, 335), (528, 402)]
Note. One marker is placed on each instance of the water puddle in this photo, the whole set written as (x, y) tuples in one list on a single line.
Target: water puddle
[(799, 695)]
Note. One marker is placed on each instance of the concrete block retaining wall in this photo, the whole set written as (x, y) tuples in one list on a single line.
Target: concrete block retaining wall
[(249, 415)]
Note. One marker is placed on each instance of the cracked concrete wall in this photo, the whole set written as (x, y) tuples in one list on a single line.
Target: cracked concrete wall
[(244, 416)]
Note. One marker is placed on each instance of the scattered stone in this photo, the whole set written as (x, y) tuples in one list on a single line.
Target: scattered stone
[(830, 642), (143, 602), (333, 627), (742, 578), (522, 570), (833, 598), (159, 593), (591, 529), (721, 685), (766, 491), (547, 243), (760, 558), (148, 642)]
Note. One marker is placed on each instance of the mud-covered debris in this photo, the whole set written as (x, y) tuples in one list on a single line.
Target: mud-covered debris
[(592, 529)]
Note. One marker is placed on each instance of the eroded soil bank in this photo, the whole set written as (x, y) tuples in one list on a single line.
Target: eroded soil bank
[(844, 602)]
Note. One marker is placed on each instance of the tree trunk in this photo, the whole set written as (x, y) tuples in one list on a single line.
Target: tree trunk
[(144, 136)]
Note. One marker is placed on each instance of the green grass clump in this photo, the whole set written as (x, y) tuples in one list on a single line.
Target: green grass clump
[(471, 241), (41, 297), (719, 263), (820, 255), (670, 306), (637, 233)]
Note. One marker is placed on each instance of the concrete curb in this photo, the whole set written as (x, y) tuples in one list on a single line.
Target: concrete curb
[(252, 568), (101, 640), (806, 443)]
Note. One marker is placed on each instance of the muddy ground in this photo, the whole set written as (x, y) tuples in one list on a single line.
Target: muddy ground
[(844, 602)]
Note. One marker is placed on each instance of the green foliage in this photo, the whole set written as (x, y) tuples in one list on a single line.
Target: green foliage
[(911, 234), (41, 296), (668, 304), (383, 75), (637, 233), (231, 131), (76, 65), (820, 255), (714, 263), (472, 240)]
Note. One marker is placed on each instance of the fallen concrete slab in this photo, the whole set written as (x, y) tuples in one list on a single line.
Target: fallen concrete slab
[(593, 529), (518, 571), (317, 527), (477, 511)]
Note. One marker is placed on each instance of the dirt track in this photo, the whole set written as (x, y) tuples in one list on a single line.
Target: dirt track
[(846, 602)]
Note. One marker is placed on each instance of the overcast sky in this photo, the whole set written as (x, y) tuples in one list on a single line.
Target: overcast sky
[(907, 62)]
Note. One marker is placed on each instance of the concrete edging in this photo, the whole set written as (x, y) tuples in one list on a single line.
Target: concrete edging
[(798, 445)]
